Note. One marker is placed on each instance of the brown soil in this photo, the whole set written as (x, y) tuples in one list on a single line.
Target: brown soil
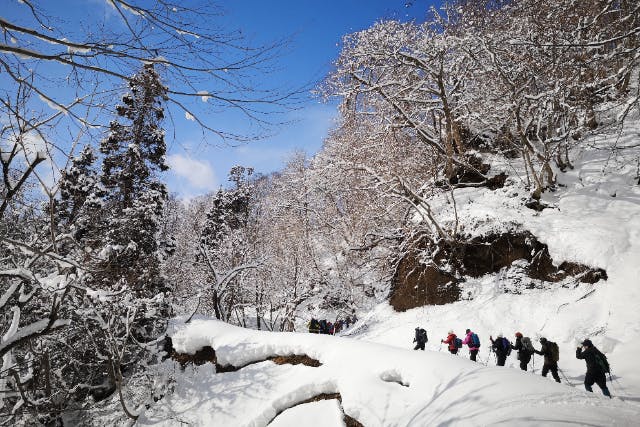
[(474, 174), (208, 355), (295, 360), (417, 283), (202, 356), (349, 421)]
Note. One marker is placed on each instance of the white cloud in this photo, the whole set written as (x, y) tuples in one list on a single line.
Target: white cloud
[(198, 173)]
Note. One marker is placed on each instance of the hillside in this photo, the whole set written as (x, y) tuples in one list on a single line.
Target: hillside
[(372, 375)]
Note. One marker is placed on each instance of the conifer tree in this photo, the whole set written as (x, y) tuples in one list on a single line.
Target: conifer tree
[(77, 203), (126, 307), (133, 196)]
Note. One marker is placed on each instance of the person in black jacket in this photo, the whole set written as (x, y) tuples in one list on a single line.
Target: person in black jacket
[(524, 356), (420, 338), (549, 363), (501, 347), (595, 371)]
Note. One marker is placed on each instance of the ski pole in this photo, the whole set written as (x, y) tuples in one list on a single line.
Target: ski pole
[(565, 377), (533, 359), (486, 363), (616, 381)]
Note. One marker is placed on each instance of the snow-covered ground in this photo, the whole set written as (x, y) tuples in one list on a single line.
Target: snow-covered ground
[(380, 385), (594, 219)]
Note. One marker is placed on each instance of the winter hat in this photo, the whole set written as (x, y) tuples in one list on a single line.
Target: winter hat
[(543, 340), (468, 330), (587, 343), (450, 332), (500, 335), (518, 334)]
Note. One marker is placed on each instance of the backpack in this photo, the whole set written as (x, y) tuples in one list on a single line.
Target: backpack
[(475, 340), (506, 345), (423, 335), (601, 361), (527, 345), (554, 351), (457, 342)]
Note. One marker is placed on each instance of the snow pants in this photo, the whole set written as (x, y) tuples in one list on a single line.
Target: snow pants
[(524, 361), (553, 367), (473, 354), (502, 358), (597, 378), (453, 350), (419, 345)]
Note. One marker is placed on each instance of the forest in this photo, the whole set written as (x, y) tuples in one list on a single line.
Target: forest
[(97, 260)]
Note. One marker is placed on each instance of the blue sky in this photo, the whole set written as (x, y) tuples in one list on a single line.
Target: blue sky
[(317, 28), (200, 162)]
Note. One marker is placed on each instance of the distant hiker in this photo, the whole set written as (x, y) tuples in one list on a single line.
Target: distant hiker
[(314, 326), (323, 326), (454, 342), (551, 355), (597, 367), (420, 338), (525, 350), (473, 342), (501, 347)]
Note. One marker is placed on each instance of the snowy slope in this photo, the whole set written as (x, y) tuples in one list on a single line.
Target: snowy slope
[(380, 385), (593, 219)]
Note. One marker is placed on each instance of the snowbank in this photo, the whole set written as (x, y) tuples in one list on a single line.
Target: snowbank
[(380, 385)]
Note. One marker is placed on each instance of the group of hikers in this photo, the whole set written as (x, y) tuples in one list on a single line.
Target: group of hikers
[(330, 328), (596, 361)]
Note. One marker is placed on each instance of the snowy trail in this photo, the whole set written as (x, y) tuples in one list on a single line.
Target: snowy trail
[(380, 385)]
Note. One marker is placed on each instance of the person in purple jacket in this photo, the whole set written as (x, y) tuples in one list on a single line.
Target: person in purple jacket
[(473, 346)]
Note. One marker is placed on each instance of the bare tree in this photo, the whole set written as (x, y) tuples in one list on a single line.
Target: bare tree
[(205, 66)]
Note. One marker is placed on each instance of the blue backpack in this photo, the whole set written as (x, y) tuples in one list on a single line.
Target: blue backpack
[(475, 340), (506, 346), (457, 343)]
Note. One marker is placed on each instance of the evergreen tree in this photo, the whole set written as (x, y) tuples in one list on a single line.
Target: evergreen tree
[(126, 306), (77, 204), (223, 241), (133, 196)]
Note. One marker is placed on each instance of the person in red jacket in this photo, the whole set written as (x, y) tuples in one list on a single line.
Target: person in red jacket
[(451, 340)]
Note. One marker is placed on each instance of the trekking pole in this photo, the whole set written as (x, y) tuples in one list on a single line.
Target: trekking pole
[(618, 385), (533, 367), (565, 377), (486, 363)]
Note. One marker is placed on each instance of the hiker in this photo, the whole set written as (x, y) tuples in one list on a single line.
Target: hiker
[(323, 326), (473, 342), (314, 326), (551, 355), (501, 347), (454, 342), (420, 338), (525, 350), (597, 366)]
